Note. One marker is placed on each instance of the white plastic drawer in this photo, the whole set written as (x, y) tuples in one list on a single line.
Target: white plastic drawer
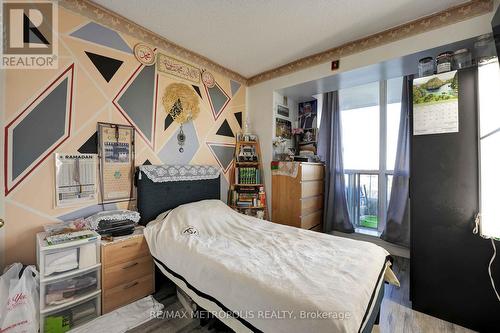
[(64, 260), (58, 291), (76, 314)]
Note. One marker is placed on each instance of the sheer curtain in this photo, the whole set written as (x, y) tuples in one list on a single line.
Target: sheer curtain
[(397, 227), (336, 214)]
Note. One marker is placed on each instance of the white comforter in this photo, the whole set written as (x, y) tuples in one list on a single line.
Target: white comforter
[(253, 266)]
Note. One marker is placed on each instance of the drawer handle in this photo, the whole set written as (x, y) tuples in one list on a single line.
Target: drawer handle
[(128, 245), (135, 283), (130, 265)]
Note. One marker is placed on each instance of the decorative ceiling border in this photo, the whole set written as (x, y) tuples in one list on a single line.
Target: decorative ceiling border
[(446, 17), (117, 22)]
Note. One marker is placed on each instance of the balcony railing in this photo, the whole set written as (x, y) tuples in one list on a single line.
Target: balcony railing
[(363, 193)]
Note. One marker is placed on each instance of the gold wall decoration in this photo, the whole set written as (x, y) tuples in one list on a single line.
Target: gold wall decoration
[(178, 68), (181, 102)]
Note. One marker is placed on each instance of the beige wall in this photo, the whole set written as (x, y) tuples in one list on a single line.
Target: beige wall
[(30, 205), (260, 96)]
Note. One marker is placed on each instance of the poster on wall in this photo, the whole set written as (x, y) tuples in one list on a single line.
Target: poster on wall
[(435, 104), (76, 179), (308, 112), (283, 128), (116, 152)]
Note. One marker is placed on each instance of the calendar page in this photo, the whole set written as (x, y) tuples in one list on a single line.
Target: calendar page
[(435, 104)]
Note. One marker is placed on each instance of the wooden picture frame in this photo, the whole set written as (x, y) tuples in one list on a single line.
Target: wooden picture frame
[(116, 161)]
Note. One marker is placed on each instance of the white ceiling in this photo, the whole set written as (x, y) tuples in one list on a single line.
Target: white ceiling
[(251, 36)]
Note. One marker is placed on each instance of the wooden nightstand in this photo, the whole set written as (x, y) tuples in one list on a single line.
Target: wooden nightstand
[(127, 270)]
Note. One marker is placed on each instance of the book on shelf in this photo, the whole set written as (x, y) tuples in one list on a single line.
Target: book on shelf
[(247, 175)]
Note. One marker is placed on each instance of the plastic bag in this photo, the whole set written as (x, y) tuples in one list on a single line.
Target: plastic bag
[(19, 300)]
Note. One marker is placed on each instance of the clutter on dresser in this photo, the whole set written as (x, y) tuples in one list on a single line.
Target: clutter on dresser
[(247, 194), (70, 276), (114, 222), (69, 231)]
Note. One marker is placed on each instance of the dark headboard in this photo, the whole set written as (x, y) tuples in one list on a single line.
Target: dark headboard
[(155, 198)]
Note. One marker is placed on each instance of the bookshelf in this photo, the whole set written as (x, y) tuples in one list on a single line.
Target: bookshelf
[(247, 194)]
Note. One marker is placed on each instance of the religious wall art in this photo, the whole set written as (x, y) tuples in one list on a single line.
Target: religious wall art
[(145, 54), (208, 79), (116, 154), (181, 102), (178, 68)]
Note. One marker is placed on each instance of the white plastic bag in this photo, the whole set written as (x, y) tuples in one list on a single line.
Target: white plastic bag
[(19, 300)]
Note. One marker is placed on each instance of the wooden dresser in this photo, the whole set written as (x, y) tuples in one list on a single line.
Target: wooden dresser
[(297, 194), (127, 270)]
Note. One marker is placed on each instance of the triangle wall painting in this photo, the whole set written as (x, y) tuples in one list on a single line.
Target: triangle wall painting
[(239, 118), (105, 65), (197, 89), (223, 153), (235, 86), (225, 130), (90, 146)]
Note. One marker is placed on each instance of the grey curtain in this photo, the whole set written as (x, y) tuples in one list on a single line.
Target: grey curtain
[(397, 228), (336, 214)]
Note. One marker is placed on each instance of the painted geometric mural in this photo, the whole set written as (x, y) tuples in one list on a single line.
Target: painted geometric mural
[(234, 87), (100, 80), (38, 130), (170, 153), (98, 34), (90, 146), (105, 65), (239, 118), (224, 153), (218, 99), (225, 130), (137, 102)]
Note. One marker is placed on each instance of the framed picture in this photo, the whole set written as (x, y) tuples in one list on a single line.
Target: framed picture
[(308, 112), (116, 153), (283, 128), (283, 111), (309, 135)]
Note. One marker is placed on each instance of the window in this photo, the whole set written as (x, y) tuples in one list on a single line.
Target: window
[(370, 116)]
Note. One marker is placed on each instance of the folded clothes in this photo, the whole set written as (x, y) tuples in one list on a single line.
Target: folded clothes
[(67, 290), (61, 261)]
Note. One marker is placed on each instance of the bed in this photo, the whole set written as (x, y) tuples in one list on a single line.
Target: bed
[(254, 275)]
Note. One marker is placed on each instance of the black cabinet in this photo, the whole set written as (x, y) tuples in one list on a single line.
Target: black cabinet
[(449, 277)]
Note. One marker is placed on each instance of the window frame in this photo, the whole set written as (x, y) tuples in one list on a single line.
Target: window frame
[(383, 171)]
